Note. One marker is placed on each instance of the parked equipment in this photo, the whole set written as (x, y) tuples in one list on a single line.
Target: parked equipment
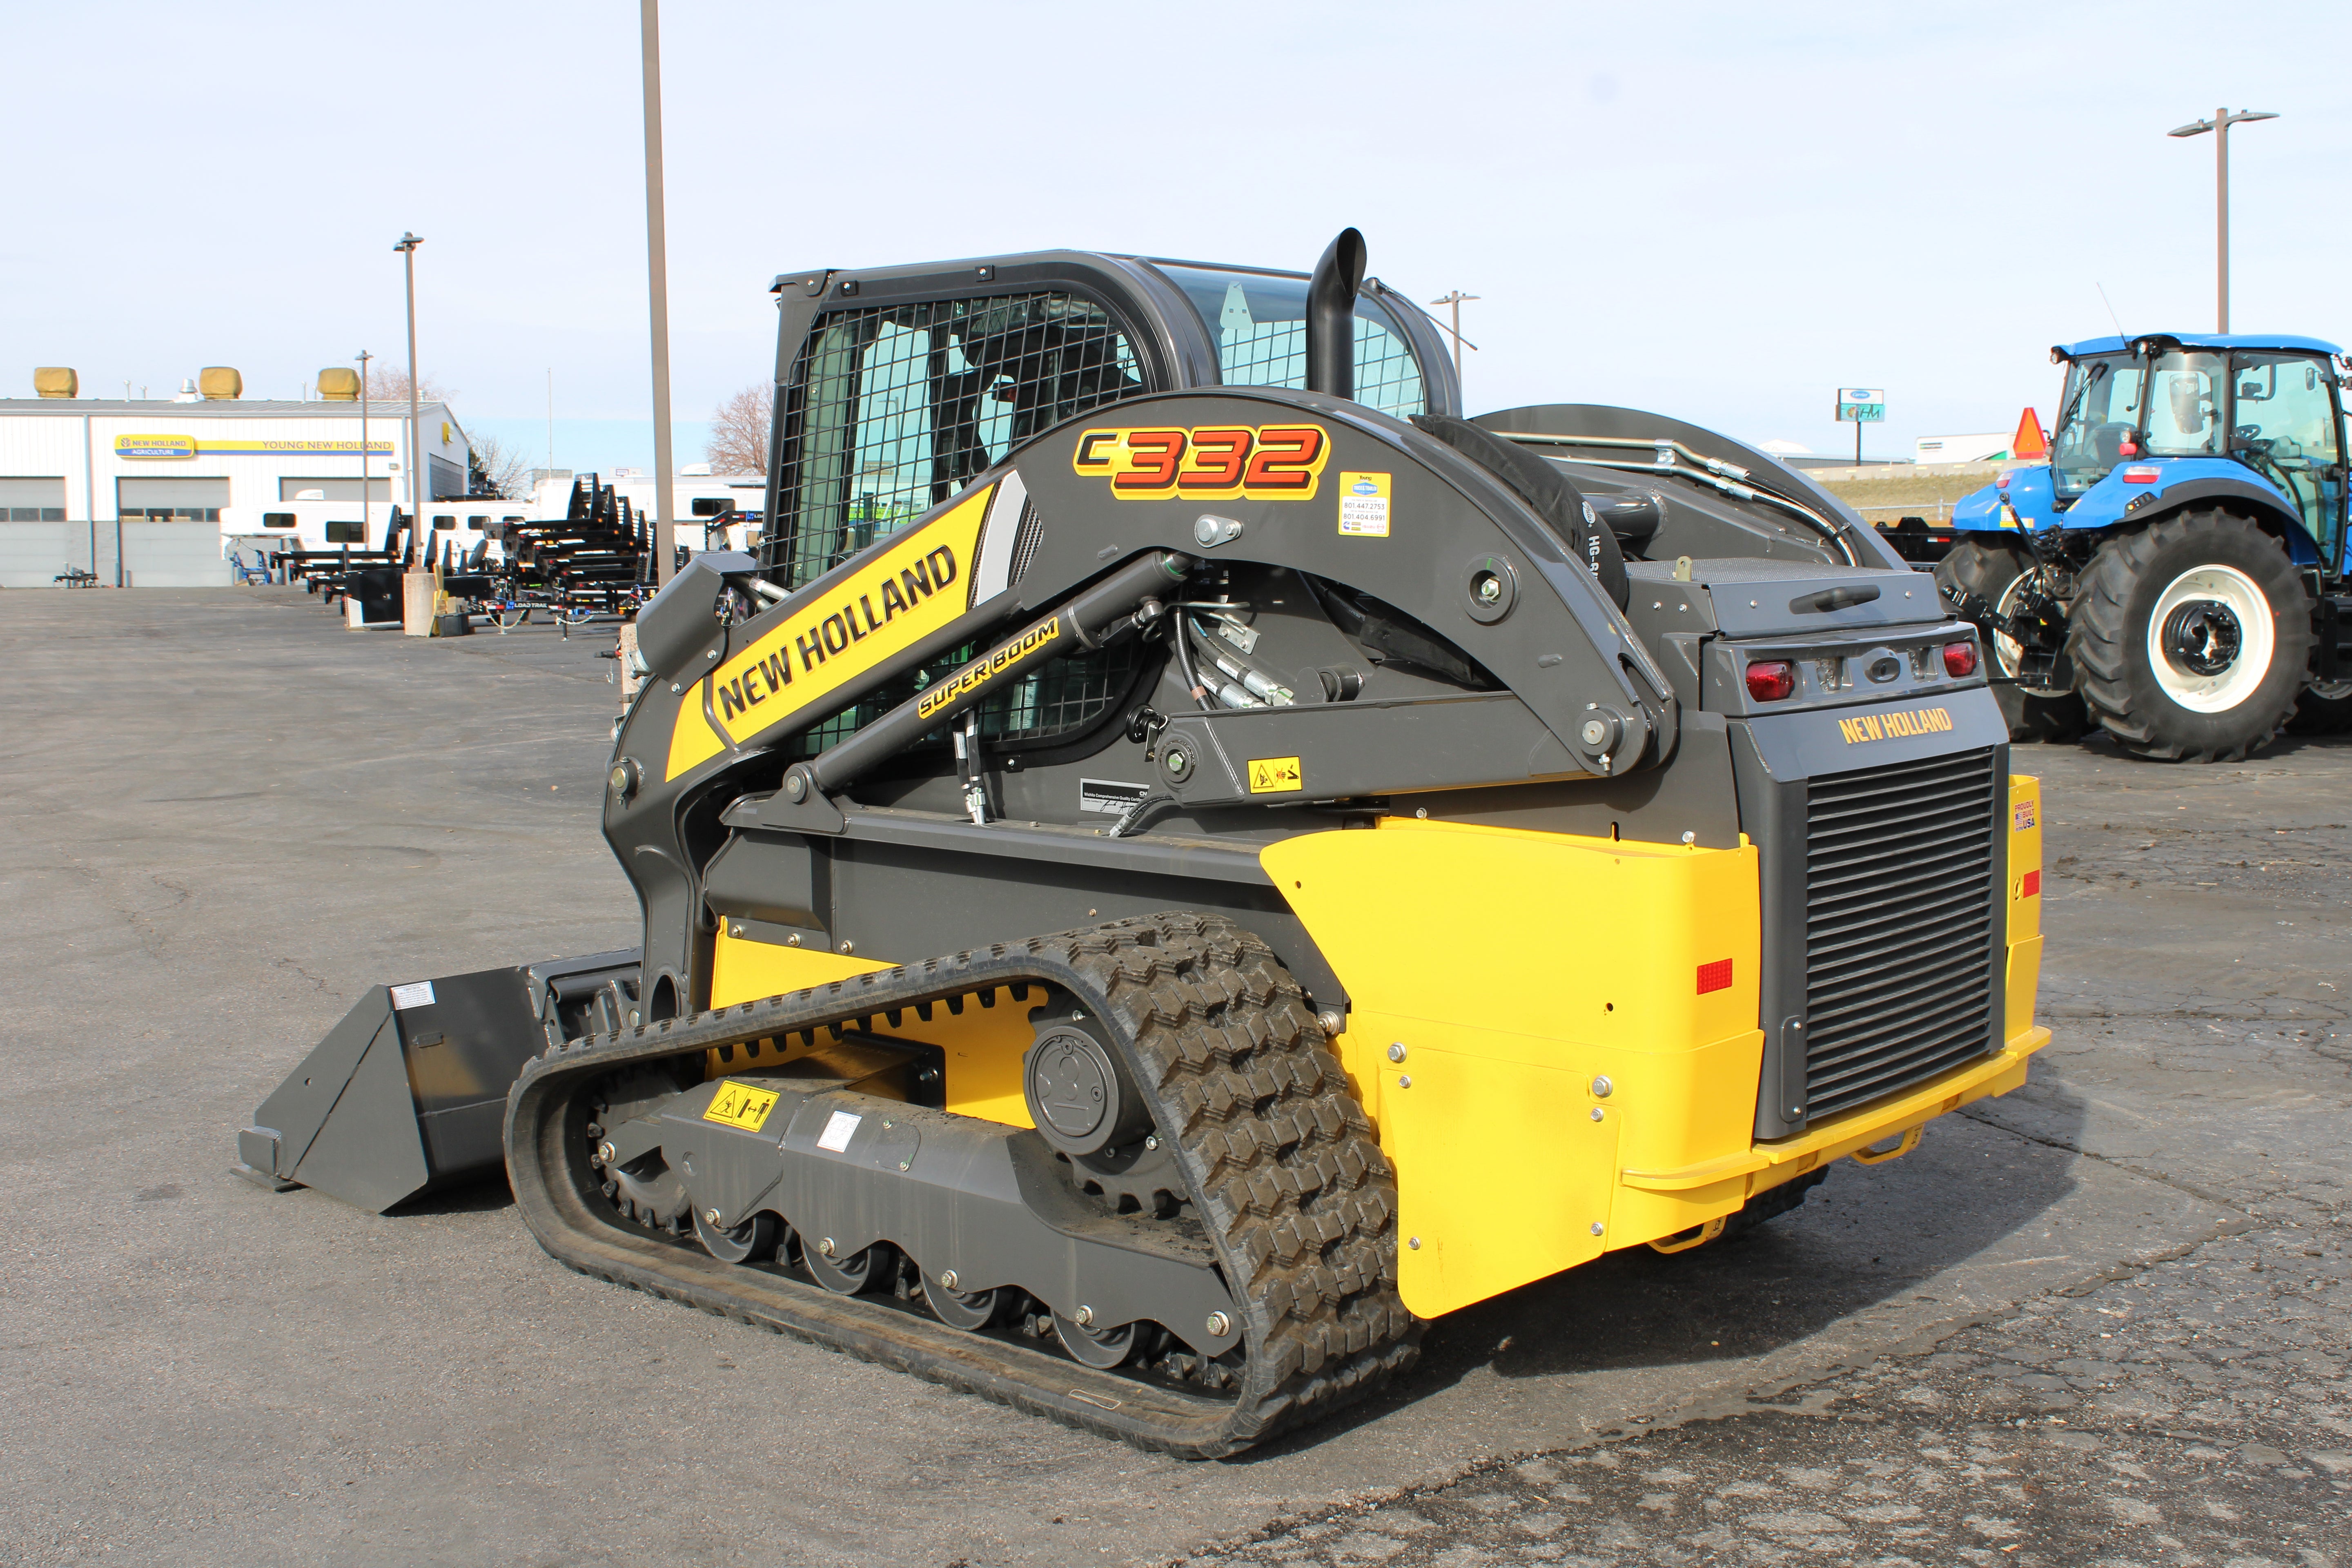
[(2176, 573), (1184, 859)]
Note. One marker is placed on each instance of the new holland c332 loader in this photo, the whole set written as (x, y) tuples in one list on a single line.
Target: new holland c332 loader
[(1182, 859)]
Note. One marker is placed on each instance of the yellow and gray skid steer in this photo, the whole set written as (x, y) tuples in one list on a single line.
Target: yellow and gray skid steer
[(1181, 858)]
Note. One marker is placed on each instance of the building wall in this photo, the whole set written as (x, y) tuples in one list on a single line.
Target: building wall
[(93, 445)]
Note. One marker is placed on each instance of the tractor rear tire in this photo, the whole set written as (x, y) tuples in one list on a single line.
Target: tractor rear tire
[(2190, 637), (1990, 571)]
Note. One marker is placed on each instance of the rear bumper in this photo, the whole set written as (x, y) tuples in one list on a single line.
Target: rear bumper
[(1717, 1186)]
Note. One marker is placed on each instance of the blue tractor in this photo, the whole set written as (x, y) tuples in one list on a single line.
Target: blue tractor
[(2176, 575)]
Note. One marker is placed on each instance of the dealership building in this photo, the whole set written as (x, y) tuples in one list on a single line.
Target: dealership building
[(156, 494)]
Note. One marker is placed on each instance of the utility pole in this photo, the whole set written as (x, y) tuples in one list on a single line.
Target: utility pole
[(658, 283), (407, 248), (367, 521), (1457, 299), (2219, 125)]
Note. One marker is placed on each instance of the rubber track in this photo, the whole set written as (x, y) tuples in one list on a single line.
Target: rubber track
[(2100, 640), (1280, 1165)]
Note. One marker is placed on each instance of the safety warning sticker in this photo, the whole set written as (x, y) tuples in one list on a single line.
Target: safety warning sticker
[(1364, 505), (740, 1105), (417, 994), (1274, 775), (1108, 795), (838, 1128)]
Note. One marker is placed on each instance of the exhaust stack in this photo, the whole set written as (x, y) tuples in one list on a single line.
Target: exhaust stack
[(1331, 316)]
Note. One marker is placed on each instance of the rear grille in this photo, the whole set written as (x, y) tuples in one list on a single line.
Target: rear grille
[(1899, 881)]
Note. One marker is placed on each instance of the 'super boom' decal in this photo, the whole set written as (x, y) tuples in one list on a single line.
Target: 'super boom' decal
[(1208, 462)]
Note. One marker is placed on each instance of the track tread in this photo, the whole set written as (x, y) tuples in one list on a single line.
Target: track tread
[(1282, 1165)]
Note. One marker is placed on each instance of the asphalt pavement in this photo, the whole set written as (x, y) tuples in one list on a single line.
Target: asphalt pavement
[(228, 817)]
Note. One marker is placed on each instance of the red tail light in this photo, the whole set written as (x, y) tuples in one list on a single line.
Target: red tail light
[(2141, 476), (1771, 681), (1959, 658), (2002, 483)]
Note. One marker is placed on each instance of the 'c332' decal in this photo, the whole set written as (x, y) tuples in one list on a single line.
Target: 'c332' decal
[(1208, 462), (1895, 726)]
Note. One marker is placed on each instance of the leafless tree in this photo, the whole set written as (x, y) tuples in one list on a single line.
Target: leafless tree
[(739, 431), (498, 470), (391, 387)]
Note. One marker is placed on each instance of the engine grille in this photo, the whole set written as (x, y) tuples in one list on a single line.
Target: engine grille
[(1900, 870)]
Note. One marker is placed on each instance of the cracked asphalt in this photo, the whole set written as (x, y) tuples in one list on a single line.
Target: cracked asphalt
[(2040, 1337)]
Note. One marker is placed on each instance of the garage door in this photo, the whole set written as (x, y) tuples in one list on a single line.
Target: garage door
[(36, 540), (171, 531)]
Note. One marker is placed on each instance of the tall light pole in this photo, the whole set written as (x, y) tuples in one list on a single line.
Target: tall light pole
[(366, 521), (658, 283), (1456, 297), (407, 248), (2219, 125)]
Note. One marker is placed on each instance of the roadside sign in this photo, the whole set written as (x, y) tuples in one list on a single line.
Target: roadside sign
[(1861, 404)]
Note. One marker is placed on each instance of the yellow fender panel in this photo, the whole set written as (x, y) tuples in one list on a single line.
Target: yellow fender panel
[(1580, 960)]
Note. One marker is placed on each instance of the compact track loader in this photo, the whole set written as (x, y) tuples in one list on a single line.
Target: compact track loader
[(1183, 859)]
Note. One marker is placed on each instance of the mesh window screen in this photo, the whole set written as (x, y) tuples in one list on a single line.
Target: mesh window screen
[(900, 406), (1260, 323)]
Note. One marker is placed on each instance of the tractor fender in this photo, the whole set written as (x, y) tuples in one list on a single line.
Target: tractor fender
[(2112, 503)]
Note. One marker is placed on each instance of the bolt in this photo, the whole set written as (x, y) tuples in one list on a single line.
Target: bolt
[(1414, 1242), (1152, 1142), (1594, 732), (1602, 1088), (796, 785), (735, 930), (620, 780), (1490, 588), (712, 654), (1219, 1324), (711, 1215), (849, 947), (948, 1278), (825, 1247), (1405, 1080), (903, 1165), (793, 940), (673, 685), (1084, 1317), (1598, 1113), (1688, 836), (1421, 812), (1596, 1227), (1397, 1052), (1176, 763), (605, 1152), (1330, 1023)]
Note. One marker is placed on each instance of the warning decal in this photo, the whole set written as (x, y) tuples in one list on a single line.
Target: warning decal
[(1364, 505), (1108, 795), (838, 1129), (740, 1105), (1274, 775)]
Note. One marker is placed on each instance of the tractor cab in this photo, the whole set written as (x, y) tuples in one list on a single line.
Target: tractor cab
[(2139, 416)]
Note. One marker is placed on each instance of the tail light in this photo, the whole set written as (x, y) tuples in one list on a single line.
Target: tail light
[(2146, 475), (1771, 679), (2129, 448), (1959, 658)]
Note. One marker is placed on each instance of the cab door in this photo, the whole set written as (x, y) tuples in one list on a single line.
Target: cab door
[(2286, 426)]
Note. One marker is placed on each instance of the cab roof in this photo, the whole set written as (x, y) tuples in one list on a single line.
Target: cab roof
[(2280, 342)]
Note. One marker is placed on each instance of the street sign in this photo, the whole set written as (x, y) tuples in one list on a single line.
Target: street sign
[(1861, 404)]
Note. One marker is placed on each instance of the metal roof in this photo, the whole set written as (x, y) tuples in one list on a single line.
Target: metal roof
[(2257, 340), (220, 408)]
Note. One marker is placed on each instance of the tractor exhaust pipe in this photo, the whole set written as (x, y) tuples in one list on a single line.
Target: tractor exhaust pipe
[(1331, 316)]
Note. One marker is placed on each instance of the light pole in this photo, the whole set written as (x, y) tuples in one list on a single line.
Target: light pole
[(2219, 125), (367, 523), (1456, 297), (658, 283), (407, 248)]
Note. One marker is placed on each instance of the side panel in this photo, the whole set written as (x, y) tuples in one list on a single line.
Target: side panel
[(1582, 959)]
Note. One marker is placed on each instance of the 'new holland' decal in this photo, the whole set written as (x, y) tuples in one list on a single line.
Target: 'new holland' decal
[(1895, 726), (918, 583)]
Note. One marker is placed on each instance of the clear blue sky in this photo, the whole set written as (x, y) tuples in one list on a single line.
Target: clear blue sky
[(1722, 211)]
